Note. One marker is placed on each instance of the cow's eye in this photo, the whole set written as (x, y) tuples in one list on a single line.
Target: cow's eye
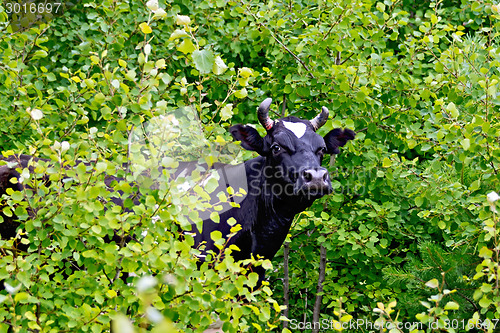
[(321, 151), (275, 148)]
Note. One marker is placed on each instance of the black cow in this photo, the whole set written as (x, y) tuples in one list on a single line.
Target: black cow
[(283, 181)]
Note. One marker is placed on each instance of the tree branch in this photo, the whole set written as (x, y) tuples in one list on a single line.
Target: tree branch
[(286, 282), (319, 292)]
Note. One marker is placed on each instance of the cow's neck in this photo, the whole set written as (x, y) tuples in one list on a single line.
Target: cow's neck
[(275, 213)]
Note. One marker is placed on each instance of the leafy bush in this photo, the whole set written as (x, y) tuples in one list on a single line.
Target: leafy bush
[(418, 82)]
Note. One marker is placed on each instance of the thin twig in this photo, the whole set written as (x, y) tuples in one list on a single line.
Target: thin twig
[(283, 106)]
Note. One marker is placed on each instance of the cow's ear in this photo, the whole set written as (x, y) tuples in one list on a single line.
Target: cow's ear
[(336, 138), (249, 137)]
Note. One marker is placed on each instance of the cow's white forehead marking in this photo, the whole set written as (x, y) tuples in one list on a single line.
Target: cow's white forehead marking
[(296, 128)]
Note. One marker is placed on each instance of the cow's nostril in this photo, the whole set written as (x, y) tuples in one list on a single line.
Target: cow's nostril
[(307, 176), (325, 176)]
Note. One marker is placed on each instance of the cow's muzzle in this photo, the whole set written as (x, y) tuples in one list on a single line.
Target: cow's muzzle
[(314, 182)]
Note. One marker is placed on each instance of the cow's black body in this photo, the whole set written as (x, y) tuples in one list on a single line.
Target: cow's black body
[(265, 217)]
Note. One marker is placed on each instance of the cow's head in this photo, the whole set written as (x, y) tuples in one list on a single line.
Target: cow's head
[(293, 150)]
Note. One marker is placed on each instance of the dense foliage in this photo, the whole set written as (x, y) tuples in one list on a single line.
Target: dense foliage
[(407, 236)]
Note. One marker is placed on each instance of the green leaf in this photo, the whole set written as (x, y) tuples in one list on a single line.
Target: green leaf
[(178, 33), (252, 279), (235, 229), (267, 264), (101, 167), (39, 54), (145, 28), (360, 96), (242, 93), (99, 98), (484, 302), (245, 72), (216, 236), (214, 216), (183, 20), (22, 296), (452, 109), (7, 211), (17, 196), (186, 46), (486, 288), (474, 186), (97, 229), (434, 283), (227, 111), (422, 317), (211, 184), (51, 77), (204, 60), (485, 252), (219, 66), (426, 147), (465, 144)]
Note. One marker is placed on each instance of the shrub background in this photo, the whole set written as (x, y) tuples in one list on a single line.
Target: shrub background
[(418, 82)]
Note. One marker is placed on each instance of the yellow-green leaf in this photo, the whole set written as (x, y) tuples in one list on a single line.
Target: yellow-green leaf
[(183, 20), (246, 72), (219, 66), (99, 98), (451, 306), (465, 144), (186, 46), (227, 111), (434, 283), (485, 252), (235, 229), (145, 28), (242, 93), (452, 109), (178, 33)]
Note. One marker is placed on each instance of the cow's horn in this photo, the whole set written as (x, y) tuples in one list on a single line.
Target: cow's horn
[(263, 114), (320, 119)]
